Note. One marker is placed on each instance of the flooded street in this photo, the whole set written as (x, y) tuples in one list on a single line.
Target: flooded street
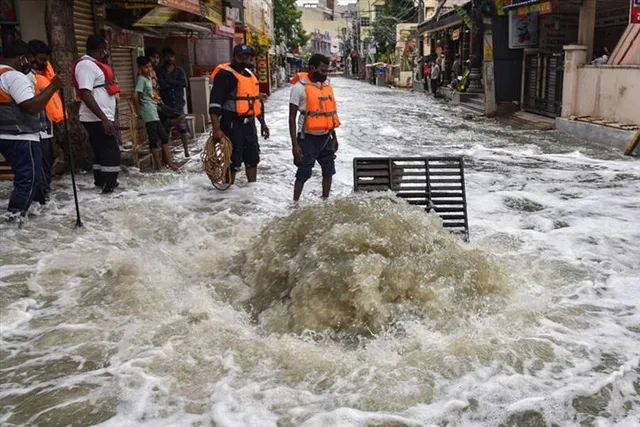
[(178, 305)]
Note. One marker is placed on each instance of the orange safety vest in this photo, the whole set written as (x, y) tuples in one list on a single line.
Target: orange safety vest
[(296, 78), (54, 108), (321, 114), (245, 99)]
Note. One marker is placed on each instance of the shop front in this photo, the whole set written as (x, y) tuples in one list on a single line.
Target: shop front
[(541, 29)]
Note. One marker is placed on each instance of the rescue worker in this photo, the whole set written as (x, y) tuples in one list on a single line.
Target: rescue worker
[(313, 137), (173, 82), (97, 87), (20, 124), (42, 73), (235, 103)]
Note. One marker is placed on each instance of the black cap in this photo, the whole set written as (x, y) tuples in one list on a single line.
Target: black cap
[(243, 49)]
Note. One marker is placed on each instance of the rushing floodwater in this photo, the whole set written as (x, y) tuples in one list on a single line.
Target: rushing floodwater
[(178, 305)]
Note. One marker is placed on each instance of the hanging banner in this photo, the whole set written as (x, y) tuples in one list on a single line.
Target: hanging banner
[(156, 17), (543, 8), (455, 35), (262, 64), (463, 15), (635, 12), (191, 6)]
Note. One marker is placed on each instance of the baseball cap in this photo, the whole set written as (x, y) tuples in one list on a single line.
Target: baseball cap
[(243, 49)]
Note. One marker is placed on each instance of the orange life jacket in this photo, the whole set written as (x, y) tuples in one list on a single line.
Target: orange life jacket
[(110, 81), (321, 114), (54, 108), (245, 99), (296, 78), (14, 120)]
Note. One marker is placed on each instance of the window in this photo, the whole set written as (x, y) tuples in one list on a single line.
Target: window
[(379, 10), (364, 22)]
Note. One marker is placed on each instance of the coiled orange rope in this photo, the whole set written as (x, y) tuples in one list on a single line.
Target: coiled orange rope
[(216, 161)]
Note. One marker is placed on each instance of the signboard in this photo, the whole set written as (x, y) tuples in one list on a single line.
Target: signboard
[(543, 8), (135, 4), (191, 6), (213, 11), (262, 68), (618, 16), (464, 16), (228, 29), (523, 31), (156, 17), (635, 12), (455, 35)]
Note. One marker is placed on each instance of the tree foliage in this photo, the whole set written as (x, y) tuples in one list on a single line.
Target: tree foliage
[(394, 12), (287, 25)]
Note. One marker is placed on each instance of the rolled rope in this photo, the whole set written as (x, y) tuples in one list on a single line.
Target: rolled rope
[(216, 161)]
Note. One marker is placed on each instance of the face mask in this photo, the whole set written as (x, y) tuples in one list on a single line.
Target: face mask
[(319, 77), (38, 66)]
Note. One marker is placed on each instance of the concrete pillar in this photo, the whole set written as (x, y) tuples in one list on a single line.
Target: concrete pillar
[(575, 56), (587, 26), (200, 100), (490, 104)]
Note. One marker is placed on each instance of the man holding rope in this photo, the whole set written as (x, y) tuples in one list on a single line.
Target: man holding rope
[(234, 107)]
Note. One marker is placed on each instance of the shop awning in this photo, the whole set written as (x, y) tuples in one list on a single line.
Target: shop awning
[(441, 24), (202, 28), (519, 3)]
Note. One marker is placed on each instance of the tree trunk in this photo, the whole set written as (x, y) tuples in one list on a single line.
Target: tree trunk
[(61, 35)]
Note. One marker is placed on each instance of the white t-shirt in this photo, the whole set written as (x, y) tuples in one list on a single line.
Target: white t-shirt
[(21, 89), (88, 76), (299, 97)]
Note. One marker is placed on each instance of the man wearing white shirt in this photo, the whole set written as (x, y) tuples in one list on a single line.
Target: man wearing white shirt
[(97, 87), (20, 125)]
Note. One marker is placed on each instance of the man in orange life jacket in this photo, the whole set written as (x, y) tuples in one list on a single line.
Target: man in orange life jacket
[(20, 124), (97, 87), (42, 73), (313, 137), (235, 103)]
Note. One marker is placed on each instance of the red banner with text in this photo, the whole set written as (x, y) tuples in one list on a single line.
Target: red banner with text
[(635, 12)]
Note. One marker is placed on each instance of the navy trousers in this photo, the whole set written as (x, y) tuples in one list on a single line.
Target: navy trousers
[(25, 159)]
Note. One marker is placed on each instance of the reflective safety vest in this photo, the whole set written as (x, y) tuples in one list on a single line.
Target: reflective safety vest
[(321, 114), (245, 99), (54, 109), (13, 120)]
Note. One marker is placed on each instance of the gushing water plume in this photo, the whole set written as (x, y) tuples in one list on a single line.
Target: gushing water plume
[(358, 264)]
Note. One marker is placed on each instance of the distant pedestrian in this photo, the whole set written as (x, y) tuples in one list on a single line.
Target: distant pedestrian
[(456, 67), (436, 72), (173, 82), (148, 111)]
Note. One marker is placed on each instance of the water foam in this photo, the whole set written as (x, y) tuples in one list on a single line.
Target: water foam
[(358, 264)]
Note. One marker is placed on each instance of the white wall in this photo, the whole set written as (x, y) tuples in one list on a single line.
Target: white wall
[(31, 17)]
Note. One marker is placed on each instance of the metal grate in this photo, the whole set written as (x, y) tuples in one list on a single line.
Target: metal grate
[(437, 183)]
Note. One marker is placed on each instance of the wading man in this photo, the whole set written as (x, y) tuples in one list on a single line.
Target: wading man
[(42, 73), (97, 87), (313, 137), (21, 124), (235, 103)]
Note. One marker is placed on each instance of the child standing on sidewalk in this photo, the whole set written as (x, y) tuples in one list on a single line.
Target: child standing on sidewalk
[(148, 111)]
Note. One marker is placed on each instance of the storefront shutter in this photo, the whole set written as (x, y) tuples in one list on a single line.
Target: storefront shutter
[(83, 23), (122, 61)]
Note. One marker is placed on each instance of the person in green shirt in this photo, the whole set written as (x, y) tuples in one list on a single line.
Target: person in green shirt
[(148, 112)]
